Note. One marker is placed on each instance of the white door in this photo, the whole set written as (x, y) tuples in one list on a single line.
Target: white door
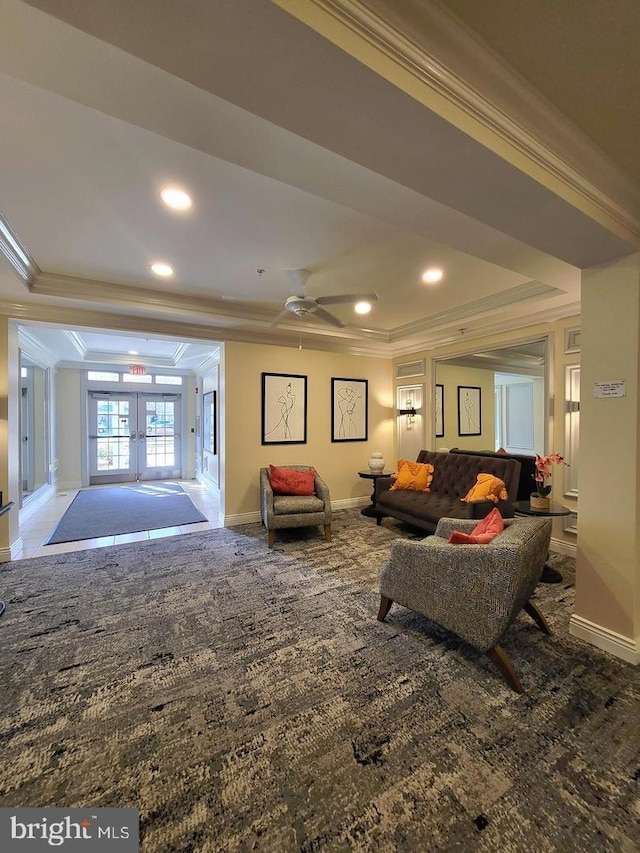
[(133, 436)]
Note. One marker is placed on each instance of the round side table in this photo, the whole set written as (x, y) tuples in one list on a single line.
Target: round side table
[(369, 475), (549, 574)]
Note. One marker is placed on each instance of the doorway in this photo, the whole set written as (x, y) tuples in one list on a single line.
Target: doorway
[(134, 436)]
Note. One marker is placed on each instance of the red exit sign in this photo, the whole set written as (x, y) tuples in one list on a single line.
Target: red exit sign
[(137, 369)]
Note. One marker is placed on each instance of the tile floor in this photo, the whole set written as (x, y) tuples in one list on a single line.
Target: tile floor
[(35, 532)]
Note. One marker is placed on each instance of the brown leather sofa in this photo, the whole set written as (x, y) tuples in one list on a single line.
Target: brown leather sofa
[(453, 476)]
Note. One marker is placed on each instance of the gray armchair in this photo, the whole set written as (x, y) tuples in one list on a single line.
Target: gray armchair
[(281, 511), (475, 591)]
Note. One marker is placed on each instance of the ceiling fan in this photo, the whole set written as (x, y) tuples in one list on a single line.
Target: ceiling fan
[(305, 306)]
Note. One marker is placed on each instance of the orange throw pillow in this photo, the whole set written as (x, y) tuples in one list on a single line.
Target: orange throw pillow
[(486, 530), (284, 481), (487, 488), (413, 476)]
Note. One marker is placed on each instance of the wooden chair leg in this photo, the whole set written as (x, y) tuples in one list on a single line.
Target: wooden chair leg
[(327, 532), (385, 606), (271, 538), (537, 616), (501, 659)]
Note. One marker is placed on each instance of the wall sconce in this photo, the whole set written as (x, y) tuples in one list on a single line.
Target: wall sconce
[(410, 412)]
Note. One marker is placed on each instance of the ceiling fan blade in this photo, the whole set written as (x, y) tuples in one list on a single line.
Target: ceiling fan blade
[(298, 280), (347, 298), (281, 316), (321, 314)]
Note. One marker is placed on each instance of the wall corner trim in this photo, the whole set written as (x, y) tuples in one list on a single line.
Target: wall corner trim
[(622, 647)]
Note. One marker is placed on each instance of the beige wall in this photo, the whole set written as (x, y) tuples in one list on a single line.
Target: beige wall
[(337, 462), (70, 416), (9, 434), (608, 561), (451, 376)]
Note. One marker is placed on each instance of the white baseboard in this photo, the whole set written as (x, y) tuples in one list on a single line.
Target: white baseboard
[(242, 518), (15, 550), (12, 553), (350, 503), (35, 502), (252, 517), (559, 546), (616, 644)]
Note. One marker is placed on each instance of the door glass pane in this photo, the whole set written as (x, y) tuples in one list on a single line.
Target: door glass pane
[(113, 454), (160, 430), (161, 452), (113, 417), (160, 417)]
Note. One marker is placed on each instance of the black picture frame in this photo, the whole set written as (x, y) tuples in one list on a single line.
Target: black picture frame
[(284, 408), (439, 410), (469, 410), (209, 431), (349, 409)]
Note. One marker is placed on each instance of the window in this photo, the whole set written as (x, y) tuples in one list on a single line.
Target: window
[(168, 380), (145, 379), (101, 376)]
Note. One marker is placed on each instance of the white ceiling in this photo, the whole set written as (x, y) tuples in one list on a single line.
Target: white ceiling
[(296, 155)]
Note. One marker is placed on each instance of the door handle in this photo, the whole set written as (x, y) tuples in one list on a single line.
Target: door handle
[(133, 435), (141, 436)]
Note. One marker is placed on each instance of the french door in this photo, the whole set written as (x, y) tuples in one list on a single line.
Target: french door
[(133, 436)]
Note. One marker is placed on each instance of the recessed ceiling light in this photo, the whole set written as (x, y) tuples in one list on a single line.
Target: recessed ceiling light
[(432, 275), (133, 352), (175, 198), (163, 270), (362, 307)]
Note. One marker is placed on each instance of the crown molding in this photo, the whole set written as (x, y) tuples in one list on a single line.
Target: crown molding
[(463, 81), (208, 364), (37, 312), (224, 316), (484, 328), (472, 311), (76, 341), (16, 253), (487, 327)]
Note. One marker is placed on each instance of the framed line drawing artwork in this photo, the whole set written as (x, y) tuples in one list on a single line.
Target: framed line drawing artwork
[(349, 409), (439, 406), (284, 408), (469, 410), (209, 438)]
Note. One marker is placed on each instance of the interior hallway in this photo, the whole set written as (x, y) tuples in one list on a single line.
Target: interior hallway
[(36, 530)]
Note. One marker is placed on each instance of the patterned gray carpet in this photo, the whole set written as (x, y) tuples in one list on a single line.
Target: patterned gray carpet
[(244, 699)]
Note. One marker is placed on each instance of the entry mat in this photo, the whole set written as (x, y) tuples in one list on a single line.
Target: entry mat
[(111, 510)]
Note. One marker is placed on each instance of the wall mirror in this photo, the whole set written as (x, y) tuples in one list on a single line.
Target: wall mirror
[(34, 437), (512, 380)]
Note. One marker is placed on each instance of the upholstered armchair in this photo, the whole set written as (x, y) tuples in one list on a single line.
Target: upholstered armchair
[(281, 511), (475, 591)]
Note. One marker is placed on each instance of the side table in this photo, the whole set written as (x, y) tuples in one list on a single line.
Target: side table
[(549, 574), (369, 475)]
